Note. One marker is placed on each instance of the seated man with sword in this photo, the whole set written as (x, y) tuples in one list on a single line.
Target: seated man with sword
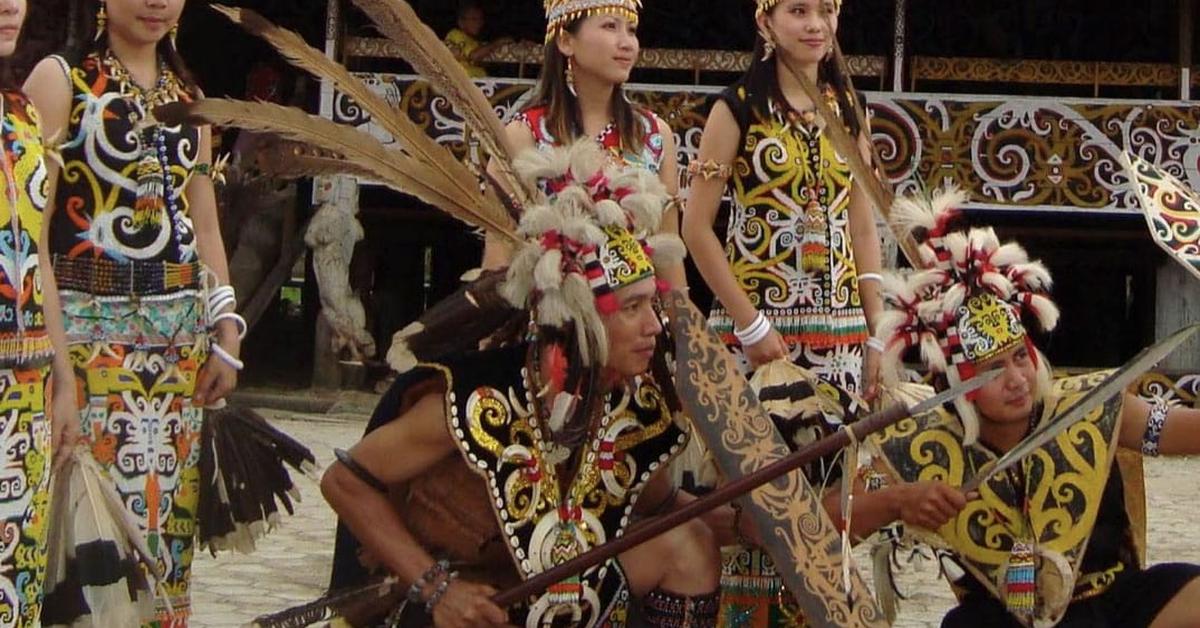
[(1018, 481), (512, 466)]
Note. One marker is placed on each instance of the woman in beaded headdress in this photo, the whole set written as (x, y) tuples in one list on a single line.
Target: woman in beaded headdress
[(792, 279), (591, 48), (141, 270), (32, 348)]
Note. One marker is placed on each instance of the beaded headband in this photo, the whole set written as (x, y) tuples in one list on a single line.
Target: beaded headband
[(561, 13), (593, 233), (765, 6)]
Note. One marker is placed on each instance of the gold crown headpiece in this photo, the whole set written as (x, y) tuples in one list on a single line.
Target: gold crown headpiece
[(765, 6), (561, 13)]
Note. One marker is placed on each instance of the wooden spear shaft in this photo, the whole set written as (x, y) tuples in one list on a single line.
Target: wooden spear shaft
[(727, 493)]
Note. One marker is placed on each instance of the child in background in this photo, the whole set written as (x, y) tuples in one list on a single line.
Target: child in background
[(464, 42)]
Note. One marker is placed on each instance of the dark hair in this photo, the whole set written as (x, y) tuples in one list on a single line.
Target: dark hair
[(586, 380), (562, 107), (762, 82), (87, 44), (477, 313)]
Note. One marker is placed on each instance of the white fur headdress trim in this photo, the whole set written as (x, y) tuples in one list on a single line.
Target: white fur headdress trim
[(923, 307), (582, 193)]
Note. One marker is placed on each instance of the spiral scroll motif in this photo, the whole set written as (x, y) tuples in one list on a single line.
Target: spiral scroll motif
[(1026, 153)]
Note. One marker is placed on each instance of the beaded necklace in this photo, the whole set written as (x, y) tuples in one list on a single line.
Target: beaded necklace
[(813, 252), (155, 189), (1019, 587)]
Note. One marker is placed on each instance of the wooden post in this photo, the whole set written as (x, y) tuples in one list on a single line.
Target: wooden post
[(330, 189), (1187, 35), (1178, 305), (333, 30), (899, 43)]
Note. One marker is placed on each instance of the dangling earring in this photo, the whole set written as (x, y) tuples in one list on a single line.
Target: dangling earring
[(174, 33), (768, 46), (101, 21), (571, 76)]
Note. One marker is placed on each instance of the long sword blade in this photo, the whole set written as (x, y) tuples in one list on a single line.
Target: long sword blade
[(1113, 385)]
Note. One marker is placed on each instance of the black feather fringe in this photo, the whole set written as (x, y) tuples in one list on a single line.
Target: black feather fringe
[(244, 480)]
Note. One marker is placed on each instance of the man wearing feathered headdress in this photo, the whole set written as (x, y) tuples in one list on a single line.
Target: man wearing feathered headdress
[(518, 458), (550, 442), (1047, 540)]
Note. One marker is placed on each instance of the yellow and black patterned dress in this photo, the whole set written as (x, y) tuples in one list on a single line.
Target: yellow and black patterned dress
[(789, 246), (126, 263), (25, 354), (789, 242)]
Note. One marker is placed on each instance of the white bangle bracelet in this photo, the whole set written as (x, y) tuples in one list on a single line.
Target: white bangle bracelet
[(870, 277), (217, 307), (237, 319), (875, 344), (224, 356), (221, 299), (754, 332)]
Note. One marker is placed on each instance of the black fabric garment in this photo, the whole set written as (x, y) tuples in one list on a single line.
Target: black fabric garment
[(1133, 600)]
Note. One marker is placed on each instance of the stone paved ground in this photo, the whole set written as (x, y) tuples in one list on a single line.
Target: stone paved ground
[(292, 565)]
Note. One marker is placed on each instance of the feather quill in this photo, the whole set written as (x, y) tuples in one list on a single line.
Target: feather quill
[(92, 477), (408, 136), (422, 49), (431, 183), (285, 159), (377, 598)]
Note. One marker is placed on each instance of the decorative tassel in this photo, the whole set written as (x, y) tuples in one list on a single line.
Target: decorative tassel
[(1020, 581), (151, 189), (886, 593), (566, 546), (814, 251), (566, 593), (814, 257)]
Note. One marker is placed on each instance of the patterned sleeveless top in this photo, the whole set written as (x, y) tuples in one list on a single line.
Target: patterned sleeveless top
[(24, 341), (788, 241), (650, 155), (120, 195)]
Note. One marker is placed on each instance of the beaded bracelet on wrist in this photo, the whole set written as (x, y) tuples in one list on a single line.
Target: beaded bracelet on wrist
[(754, 332), (436, 571), (440, 591), (1154, 428)]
